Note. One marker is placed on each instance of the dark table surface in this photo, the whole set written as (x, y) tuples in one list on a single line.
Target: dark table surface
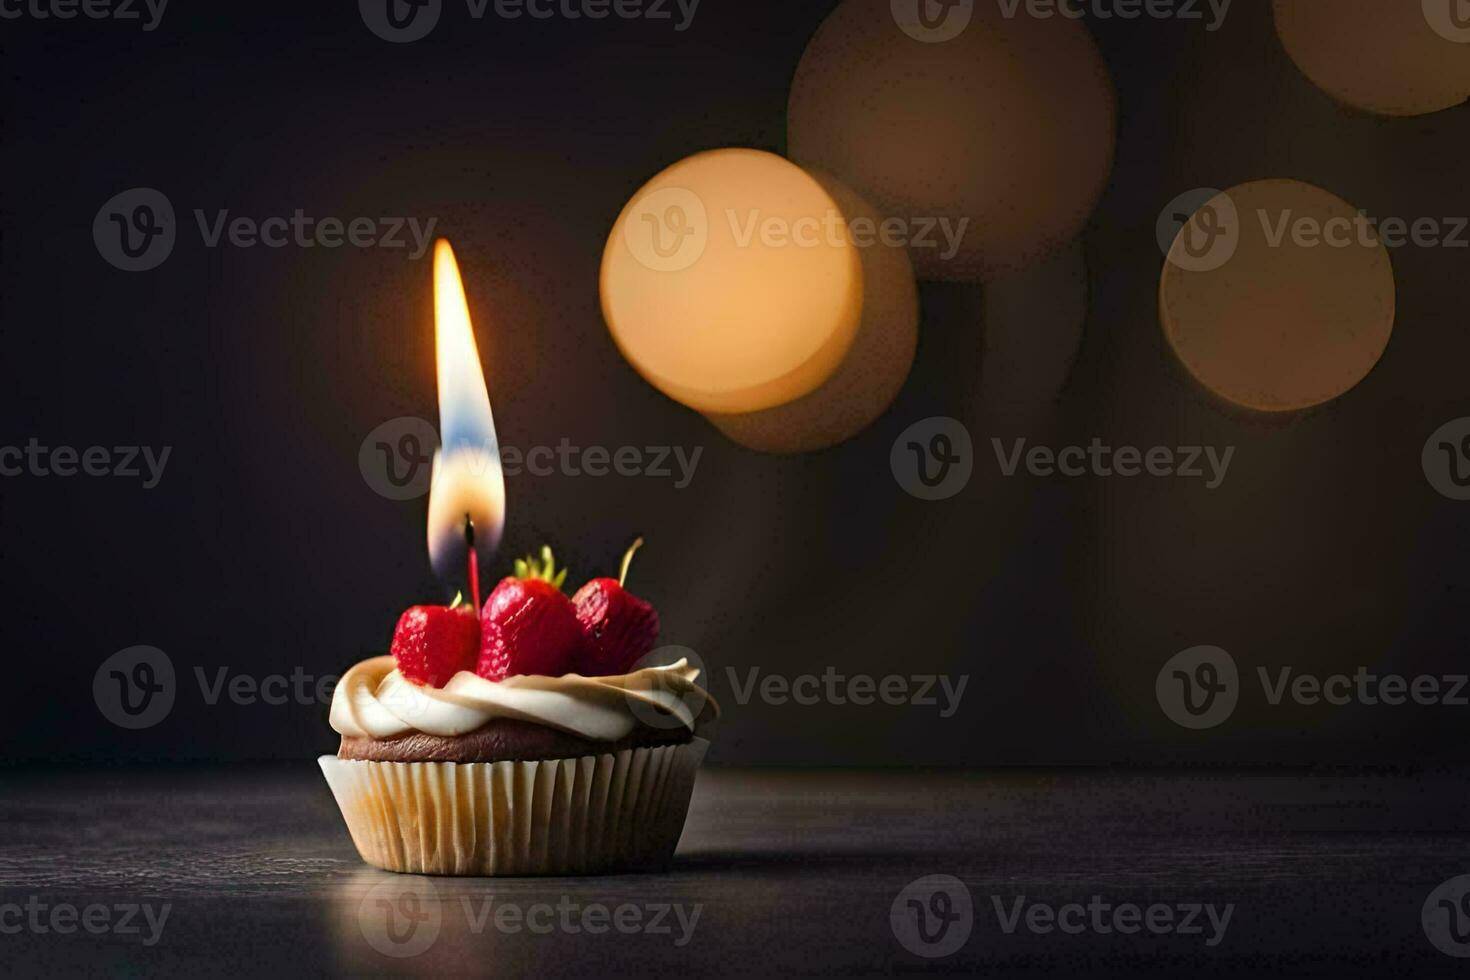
[(249, 871)]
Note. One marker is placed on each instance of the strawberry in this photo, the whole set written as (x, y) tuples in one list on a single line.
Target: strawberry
[(528, 625), (433, 643), (617, 626)]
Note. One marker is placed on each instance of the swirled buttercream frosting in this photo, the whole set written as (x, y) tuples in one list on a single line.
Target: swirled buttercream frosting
[(373, 700)]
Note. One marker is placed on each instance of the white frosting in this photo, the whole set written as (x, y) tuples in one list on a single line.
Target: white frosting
[(374, 700)]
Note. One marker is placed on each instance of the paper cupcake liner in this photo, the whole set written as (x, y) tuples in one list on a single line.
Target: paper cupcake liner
[(622, 810)]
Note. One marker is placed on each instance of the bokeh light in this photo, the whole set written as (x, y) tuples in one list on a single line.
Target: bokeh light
[(729, 282), (1392, 57), (1006, 124), (873, 371), (1276, 296)]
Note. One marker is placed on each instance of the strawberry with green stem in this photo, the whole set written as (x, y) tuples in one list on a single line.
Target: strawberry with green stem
[(528, 625), (617, 626), (433, 643)]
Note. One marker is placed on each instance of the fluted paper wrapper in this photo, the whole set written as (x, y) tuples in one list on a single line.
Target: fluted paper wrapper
[(596, 813)]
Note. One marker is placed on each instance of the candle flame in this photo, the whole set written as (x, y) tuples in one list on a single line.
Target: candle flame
[(467, 483)]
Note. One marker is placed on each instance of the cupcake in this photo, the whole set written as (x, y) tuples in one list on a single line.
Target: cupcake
[(522, 740)]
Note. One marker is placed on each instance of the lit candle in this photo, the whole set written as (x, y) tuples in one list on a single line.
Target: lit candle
[(467, 487)]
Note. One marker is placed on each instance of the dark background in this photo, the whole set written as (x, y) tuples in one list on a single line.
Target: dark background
[(264, 550)]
